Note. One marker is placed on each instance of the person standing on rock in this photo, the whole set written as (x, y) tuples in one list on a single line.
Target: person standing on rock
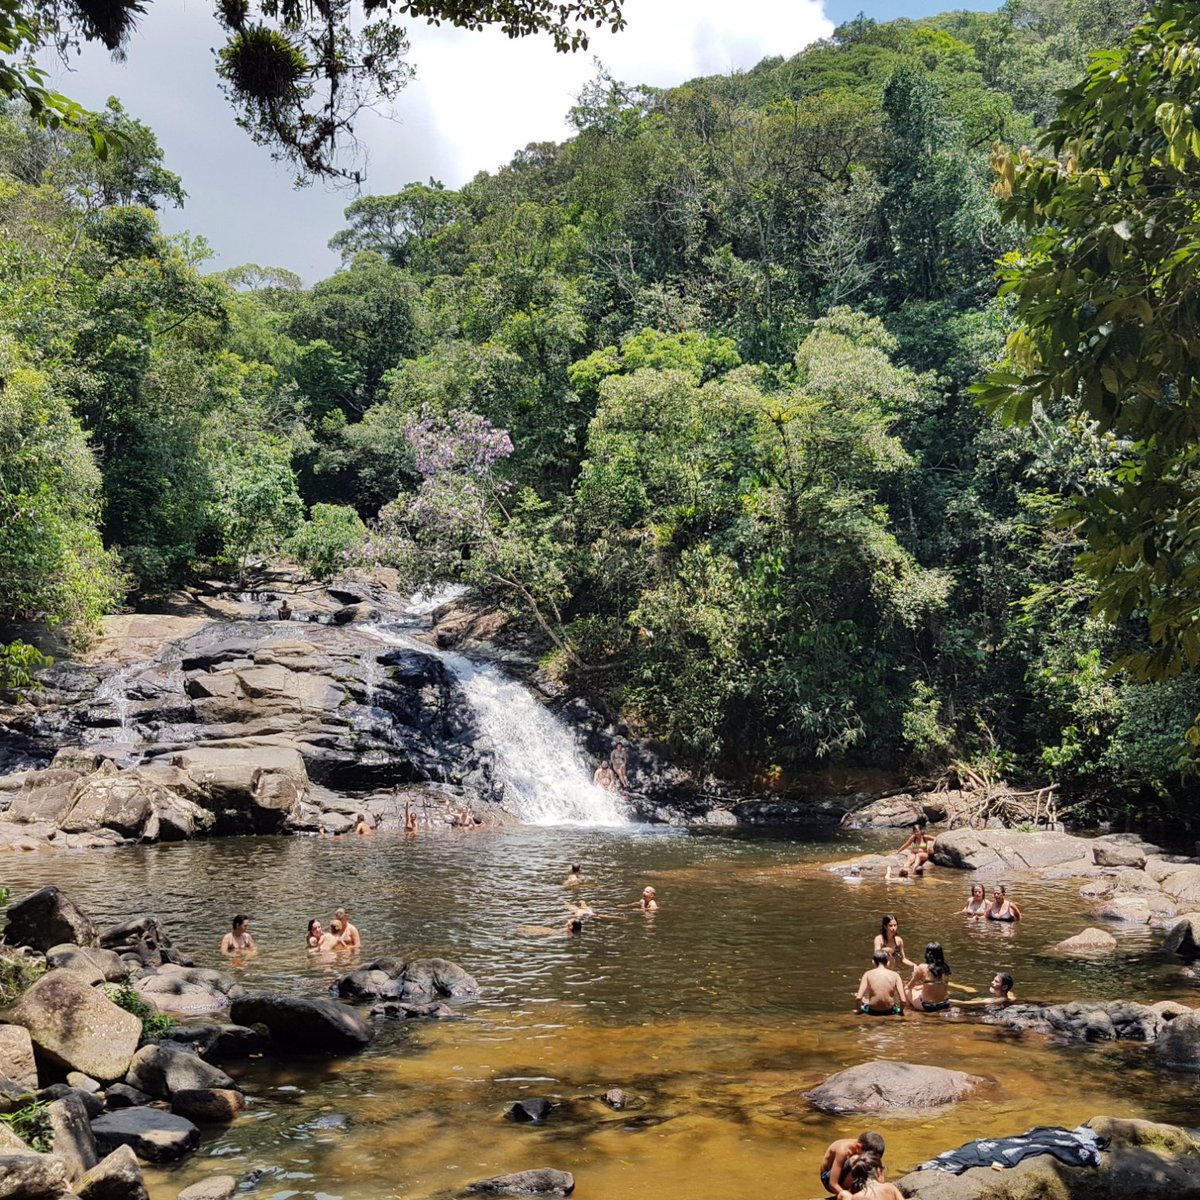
[(880, 991), (350, 937), (238, 941), (620, 763)]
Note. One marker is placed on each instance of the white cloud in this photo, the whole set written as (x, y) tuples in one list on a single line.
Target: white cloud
[(477, 98)]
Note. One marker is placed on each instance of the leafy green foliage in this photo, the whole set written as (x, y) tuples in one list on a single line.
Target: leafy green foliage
[(154, 1024), (16, 974), (31, 1123), (330, 541)]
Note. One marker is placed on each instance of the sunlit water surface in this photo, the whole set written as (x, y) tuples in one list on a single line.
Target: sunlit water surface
[(717, 1012)]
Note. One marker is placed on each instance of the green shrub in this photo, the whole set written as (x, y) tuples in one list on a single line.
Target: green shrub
[(154, 1025), (330, 541), (31, 1124)]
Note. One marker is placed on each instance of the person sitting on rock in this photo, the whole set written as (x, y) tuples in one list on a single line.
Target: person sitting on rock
[(619, 758), (835, 1166), (349, 935), (285, 610), (604, 777), (866, 1179), (880, 991), (362, 827), (929, 987), (977, 906), (919, 846), (239, 940), (573, 879), (1002, 908)]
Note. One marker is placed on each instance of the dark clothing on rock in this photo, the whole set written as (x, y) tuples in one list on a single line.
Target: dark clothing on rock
[(1076, 1147)]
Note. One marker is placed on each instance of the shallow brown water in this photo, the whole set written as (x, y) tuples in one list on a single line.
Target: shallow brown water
[(718, 1011)]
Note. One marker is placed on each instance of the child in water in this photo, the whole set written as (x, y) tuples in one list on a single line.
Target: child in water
[(835, 1165)]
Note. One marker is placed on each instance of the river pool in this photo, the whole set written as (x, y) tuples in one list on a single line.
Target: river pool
[(717, 1012)]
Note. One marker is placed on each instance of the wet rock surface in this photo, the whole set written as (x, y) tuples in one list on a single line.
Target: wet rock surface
[(541, 1181), (891, 1085), (301, 1024), (1099, 1021)]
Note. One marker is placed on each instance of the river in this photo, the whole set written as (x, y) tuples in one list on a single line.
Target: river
[(717, 1012)]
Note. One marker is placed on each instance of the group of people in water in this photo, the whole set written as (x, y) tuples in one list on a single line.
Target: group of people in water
[(579, 910), (882, 991), (342, 934)]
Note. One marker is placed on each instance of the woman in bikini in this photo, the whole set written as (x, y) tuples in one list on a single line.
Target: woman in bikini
[(1002, 908), (919, 846), (977, 906), (888, 940), (929, 987)]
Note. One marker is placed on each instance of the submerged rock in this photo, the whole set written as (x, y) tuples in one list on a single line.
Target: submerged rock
[(1090, 941), (415, 981), (542, 1181), (887, 1085), (1099, 1021)]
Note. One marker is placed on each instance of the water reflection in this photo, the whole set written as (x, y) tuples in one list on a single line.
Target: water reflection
[(717, 1013)]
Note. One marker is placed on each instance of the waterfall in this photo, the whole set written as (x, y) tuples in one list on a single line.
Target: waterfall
[(536, 754), (114, 690), (371, 676)]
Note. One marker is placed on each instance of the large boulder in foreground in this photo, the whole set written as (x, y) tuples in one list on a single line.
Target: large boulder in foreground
[(76, 1028), (1143, 1159), (541, 1181), (162, 1070), (116, 1177), (47, 918), (1178, 1043), (301, 1023), (887, 1085), (153, 1135), (32, 1176)]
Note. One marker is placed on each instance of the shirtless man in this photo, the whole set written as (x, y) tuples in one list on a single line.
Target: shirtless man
[(350, 935), (362, 827), (573, 879), (835, 1164), (239, 940), (880, 991), (999, 992), (604, 777), (647, 903)]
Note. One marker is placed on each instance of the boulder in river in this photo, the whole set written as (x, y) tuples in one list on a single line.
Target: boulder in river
[(46, 918), (32, 1176), (414, 981), (217, 1187), (71, 1135), (1082, 1021), (98, 964), (163, 1070), (1184, 937), (541, 1181), (115, 1177), (77, 1028), (301, 1023), (16, 1056), (996, 851), (1090, 941), (153, 1135), (1118, 854), (1178, 1043), (208, 1106), (890, 1085)]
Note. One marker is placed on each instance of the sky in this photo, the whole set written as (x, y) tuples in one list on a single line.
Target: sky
[(476, 99)]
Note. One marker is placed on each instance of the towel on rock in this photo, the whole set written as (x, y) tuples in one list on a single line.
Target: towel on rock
[(1075, 1147)]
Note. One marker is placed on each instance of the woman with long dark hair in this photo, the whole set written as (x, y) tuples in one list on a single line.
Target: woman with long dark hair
[(929, 987), (888, 940)]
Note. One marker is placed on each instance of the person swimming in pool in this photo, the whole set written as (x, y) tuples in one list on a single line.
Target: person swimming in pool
[(880, 991), (1002, 908), (929, 987), (888, 939)]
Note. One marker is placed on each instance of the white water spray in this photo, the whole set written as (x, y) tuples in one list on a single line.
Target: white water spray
[(114, 689), (536, 754)]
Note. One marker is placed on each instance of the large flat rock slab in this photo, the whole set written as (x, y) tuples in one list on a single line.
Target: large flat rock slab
[(997, 851), (153, 1135), (891, 1085)]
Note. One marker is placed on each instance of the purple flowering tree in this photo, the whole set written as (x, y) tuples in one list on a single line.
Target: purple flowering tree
[(464, 524)]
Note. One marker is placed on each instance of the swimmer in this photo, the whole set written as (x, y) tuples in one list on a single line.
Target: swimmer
[(888, 939), (976, 907), (410, 819), (835, 1165), (880, 991), (349, 936), (1002, 908), (239, 940), (582, 909), (573, 879), (929, 987), (318, 939), (362, 828), (1000, 992), (573, 926), (648, 903)]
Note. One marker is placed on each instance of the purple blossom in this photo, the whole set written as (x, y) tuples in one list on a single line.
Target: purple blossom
[(460, 442)]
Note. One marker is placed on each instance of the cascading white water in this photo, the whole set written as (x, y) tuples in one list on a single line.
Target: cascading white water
[(371, 676), (114, 689), (536, 755)]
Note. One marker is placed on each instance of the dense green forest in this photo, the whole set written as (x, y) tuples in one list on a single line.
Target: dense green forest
[(688, 393)]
